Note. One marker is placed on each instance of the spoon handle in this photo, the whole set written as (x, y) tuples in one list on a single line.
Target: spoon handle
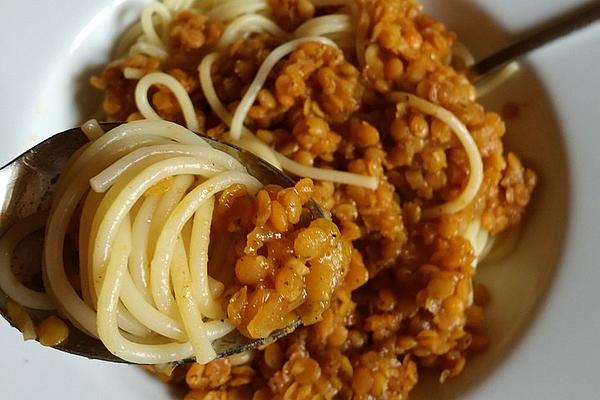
[(580, 19)]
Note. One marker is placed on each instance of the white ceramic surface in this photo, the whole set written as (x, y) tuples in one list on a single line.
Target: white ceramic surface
[(544, 318)]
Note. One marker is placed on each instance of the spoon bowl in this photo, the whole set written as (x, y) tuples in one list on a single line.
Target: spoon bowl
[(26, 187)]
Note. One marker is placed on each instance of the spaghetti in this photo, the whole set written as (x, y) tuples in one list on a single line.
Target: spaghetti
[(123, 292)]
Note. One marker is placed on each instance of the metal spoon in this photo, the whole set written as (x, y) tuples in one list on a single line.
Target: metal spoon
[(26, 187)]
